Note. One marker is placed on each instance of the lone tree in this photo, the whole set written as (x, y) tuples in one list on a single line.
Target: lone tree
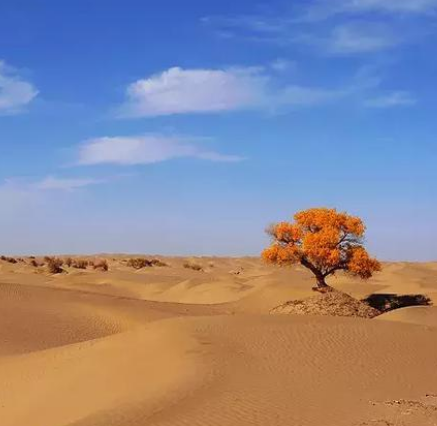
[(324, 241)]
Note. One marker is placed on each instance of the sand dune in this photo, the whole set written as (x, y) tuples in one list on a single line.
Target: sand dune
[(173, 346), (420, 315)]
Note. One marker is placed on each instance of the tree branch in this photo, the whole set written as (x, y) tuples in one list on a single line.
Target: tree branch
[(305, 262)]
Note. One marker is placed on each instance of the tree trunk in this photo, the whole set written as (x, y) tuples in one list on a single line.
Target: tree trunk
[(322, 287)]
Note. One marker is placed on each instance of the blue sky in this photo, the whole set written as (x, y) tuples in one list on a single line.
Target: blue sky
[(187, 127)]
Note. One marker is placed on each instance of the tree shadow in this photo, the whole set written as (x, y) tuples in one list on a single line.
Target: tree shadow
[(385, 302)]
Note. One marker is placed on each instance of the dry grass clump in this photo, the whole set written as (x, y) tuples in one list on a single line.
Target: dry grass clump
[(8, 259), (54, 265), (79, 263), (68, 262), (192, 264), (101, 265), (34, 263), (159, 263), (333, 303), (142, 262), (139, 263)]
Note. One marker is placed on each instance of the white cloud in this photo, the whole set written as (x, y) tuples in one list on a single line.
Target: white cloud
[(394, 99), (144, 150), (179, 91), (15, 93)]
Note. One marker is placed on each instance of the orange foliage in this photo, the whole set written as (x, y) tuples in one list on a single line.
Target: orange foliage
[(324, 241)]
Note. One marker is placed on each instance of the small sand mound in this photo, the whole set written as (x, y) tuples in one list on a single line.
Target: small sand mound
[(334, 303)]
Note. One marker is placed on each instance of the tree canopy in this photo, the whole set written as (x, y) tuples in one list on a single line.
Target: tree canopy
[(324, 241)]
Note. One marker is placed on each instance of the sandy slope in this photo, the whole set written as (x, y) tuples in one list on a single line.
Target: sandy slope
[(420, 315), (89, 349)]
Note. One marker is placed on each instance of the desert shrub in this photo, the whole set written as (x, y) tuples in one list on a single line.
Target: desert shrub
[(157, 262), (34, 263), (8, 259), (101, 265), (68, 262), (54, 264), (139, 263), (191, 264), (80, 264)]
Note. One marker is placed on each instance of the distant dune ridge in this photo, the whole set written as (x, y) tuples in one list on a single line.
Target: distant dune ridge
[(167, 344)]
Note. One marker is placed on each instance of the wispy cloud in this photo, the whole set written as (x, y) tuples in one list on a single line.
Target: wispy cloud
[(324, 9), (301, 96), (282, 65), (255, 23), (147, 149), (355, 38), (15, 93), (335, 26), (390, 100), (275, 29), (179, 91), (65, 184), (19, 188)]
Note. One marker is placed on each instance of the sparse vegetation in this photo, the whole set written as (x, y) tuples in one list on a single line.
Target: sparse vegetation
[(80, 263), (68, 262), (142, 262), (192, 264), (139, 263), (8, 259), (101, 265), (54, 265), (34, 263), (157, 262)]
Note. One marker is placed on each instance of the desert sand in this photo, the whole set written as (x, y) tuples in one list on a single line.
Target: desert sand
[(175, 346)]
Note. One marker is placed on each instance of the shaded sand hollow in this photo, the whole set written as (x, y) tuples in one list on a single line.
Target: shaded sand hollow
[(175, 346)]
